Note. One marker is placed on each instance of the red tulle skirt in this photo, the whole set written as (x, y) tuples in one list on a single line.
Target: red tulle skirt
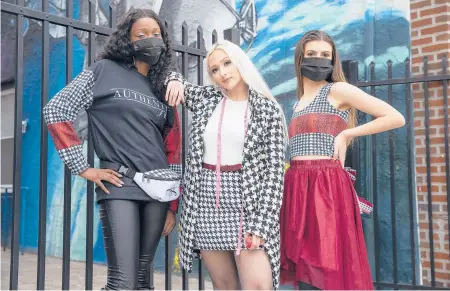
[(322, 241)]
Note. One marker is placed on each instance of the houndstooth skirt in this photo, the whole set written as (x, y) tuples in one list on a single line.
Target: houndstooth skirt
[(218, 229)]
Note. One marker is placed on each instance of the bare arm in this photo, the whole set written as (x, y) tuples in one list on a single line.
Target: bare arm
[(349, 96), (387, 117)]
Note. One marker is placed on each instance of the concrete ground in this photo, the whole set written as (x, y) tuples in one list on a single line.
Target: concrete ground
[(53, 274)]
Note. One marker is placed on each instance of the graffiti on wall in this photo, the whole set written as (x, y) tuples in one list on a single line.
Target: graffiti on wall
[(364, 31)]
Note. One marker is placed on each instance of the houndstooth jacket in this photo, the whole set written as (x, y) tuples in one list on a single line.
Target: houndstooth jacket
[(262, 170)]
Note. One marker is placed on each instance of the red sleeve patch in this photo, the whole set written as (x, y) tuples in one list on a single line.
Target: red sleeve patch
[(64, 135)]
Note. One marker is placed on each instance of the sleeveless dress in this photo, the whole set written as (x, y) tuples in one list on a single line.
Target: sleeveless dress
[(322, 240)]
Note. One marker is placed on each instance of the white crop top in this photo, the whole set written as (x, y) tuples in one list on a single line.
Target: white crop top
[(233, 135)]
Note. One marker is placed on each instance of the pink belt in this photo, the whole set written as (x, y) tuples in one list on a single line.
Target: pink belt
[(226, 168)]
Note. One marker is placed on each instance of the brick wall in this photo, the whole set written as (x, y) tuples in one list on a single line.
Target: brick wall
[(430, 37)]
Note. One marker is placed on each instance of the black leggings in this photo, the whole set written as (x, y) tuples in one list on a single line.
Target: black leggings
[(132, 230)]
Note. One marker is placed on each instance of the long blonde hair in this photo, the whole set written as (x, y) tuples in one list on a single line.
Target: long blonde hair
[(336, 76), (249, 74)]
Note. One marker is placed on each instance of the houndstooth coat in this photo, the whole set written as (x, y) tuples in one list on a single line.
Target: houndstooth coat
[(262, 171)]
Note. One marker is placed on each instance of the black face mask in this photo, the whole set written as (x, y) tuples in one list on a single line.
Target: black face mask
[(316, 69), (149, 50)]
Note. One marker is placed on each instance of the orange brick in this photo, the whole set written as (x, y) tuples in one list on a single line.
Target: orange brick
[(440, 93), (440, 112), (436, 67), (419, 132), (442, 18), (434, 189), (420, 4), (436, 103), (438, 121), (437, 140), (419, 114), (439, 198), (435, 29), (436, 160), (422, 41), (438, 265), (414, 33), (432, 11), (417, 60), (436, 47), (437, 2), (423, 225), (437, 179), (443, 37), (421, 22), (424, 188), (423, 170), (435, 84), (413, 15), (420, 161), (442, 276), (421, 151)]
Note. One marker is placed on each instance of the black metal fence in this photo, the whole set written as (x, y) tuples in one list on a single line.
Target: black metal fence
[(6, 215), (185, 52), (366, 158), (20, 13)]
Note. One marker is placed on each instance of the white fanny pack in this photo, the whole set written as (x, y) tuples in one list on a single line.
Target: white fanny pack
[(161, 184)]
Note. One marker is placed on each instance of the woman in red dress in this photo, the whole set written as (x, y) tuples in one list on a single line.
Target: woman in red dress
[(322, 241)]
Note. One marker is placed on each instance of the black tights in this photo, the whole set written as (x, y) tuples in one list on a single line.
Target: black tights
[(132, 230)]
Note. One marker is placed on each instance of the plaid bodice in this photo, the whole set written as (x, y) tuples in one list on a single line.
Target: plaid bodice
[(313, 129)]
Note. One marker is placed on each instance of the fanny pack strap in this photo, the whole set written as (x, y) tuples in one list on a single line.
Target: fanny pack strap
[(130, 173)]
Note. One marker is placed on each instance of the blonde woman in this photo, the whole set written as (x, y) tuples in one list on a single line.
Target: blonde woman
[(234, 173)]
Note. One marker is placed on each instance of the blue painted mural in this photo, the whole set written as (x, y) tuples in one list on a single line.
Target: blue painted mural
[(364, 31)]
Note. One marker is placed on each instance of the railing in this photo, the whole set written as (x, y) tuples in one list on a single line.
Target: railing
[(6, 214), (20, 13), (401, 184)]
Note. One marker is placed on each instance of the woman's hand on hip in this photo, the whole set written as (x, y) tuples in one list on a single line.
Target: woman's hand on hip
[(99, 175), (253, 242), (340, 147), (170, 223), (175, 93)]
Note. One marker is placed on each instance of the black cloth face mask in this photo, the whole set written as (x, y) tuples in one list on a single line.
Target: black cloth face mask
[(316, 69), (149, 50)]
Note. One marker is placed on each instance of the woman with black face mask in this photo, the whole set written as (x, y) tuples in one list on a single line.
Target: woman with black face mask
[(322, 241), (133, 130)]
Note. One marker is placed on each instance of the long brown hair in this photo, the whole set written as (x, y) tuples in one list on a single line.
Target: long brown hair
[(336, 76)]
